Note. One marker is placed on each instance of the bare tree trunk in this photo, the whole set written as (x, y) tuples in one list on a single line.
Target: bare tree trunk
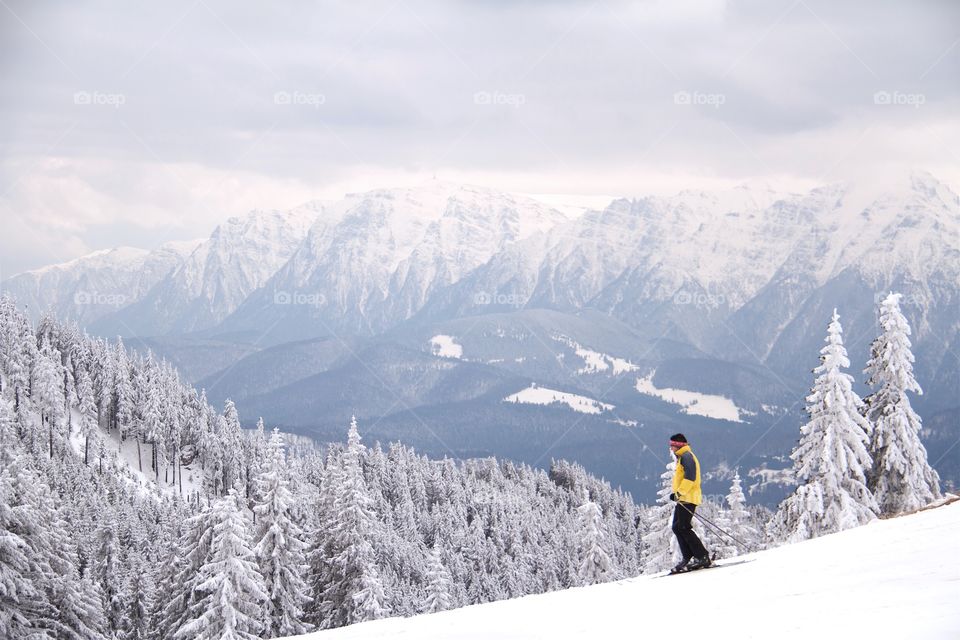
[(86, 450), (139, 457)]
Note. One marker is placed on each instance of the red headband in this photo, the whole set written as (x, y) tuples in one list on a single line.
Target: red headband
[(677, 443)]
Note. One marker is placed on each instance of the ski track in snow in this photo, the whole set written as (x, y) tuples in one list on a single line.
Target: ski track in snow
[(888, 579)]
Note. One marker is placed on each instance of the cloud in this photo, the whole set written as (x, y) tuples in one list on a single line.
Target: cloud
[(138, 123)]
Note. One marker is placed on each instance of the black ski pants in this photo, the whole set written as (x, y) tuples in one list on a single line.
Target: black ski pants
[(690, 545)]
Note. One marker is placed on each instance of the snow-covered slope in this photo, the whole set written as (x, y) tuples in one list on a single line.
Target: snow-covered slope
[(238, 258), (97, 284), (896, 578), (546, 396), (693, 402)]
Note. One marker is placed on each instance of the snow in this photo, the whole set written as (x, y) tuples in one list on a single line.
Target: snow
[(596, 362), (119, 257), (129, 461), (693, 402), (620, 365), (766, 477), (446, 346), (720, 249), (889, 579), (545, 396), (384, 252), (573, 205)]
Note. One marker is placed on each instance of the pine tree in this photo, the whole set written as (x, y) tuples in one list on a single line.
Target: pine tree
[(231, 438), (230, 606), (321, 551), (108, 574), (79, 607), (123, 394), (902, 478), (661, 548), (831, 459), (181, 577), (353, 591), (138, 623), (439, 584), (48, 389), (17, 590), (88, 412), (595, 565), (151, 429), (279, 549), (737, 522)]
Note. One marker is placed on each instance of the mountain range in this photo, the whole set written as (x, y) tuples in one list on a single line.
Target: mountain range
[(422, 309)]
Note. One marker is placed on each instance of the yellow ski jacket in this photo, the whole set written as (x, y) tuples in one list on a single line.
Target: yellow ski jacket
[(686, 477)]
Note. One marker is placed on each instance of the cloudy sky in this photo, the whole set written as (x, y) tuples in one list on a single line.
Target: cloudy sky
[(137, 123)]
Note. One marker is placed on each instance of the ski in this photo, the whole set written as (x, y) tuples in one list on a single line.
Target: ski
[(712, 566)]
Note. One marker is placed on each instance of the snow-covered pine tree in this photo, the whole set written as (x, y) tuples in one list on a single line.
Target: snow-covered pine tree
[(72, 606), (439, 585), (257, 460), (123, 393), (87, 408), (279, 548), (661, 549), (901, 478), (181, 575), (230, 606), (354, 591), (47, 391), (140, 589), (831, 459), (107, 570), (18, 595), (737, 522), (152, 419), (322, 550), (595, 565), (231, 440)]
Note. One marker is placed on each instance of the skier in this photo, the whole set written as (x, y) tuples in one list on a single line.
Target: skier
[(687, 495)]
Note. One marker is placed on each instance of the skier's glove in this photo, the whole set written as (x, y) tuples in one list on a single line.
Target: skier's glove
[(674, 496)]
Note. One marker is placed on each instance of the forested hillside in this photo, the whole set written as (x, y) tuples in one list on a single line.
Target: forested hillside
[(133, 509)]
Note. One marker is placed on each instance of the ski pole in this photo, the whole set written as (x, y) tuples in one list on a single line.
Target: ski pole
[(714, 527)]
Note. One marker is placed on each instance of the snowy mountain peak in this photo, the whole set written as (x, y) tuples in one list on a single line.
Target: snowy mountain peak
[(116, 257), (239, 257), (95, 285), (374, 258)]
